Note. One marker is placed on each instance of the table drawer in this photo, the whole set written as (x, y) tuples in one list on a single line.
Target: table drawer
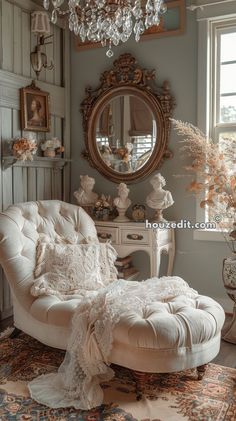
[(134, 237), (107, 233)]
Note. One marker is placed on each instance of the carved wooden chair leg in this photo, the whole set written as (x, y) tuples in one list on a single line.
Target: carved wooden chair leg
[(16, 332), (141, 379), (201, 371)]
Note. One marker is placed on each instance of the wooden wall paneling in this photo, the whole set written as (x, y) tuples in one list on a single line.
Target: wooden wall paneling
[(1, 49), (26, 44), (32, 184), (49, 50), (57, 40), (17, 194), (58, 174), (1, 151), (16, 130), (17, 42), (52, 128), (7, 195), (40, 184), (17, 172), (58, 128), (47, 184), (58, 183), (9, 93), (7, 174), (40, 139), (7, 35), (66, 121), (25, 184), (42, 75), (2, 283), (33, 43), (31, 5), (54, 185)]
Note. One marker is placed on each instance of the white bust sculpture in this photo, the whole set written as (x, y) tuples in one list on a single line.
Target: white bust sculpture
[(159, 198), (85, 195), (122, 202)]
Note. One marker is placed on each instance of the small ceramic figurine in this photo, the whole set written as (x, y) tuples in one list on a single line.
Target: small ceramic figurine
[(159, 198), (122, 202), (85, 195)]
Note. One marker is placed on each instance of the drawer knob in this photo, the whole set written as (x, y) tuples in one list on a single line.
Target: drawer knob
[(104, 235), (135, 237)]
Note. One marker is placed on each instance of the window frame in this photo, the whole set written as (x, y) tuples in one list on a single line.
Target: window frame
[(208, 85), (216, 127)]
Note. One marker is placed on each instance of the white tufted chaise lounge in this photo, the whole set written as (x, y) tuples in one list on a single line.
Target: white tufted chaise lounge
[(172, 336)]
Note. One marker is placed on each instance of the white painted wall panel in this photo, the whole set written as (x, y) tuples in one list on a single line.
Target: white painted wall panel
[(25, 48), (17, 40), (17, 185), (6, 132), (32, 184), (25, 183), (7, 35), (57, 55)]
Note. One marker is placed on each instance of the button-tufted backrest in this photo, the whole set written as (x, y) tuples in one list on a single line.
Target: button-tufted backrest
[(20, 226)]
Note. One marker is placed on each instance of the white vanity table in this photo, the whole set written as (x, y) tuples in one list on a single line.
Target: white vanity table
[(128, 237)]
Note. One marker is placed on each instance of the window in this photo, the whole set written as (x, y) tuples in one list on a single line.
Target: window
[(223, 81), (216, 85)]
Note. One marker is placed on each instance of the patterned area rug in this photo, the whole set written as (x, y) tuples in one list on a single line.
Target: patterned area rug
[(168, 397)]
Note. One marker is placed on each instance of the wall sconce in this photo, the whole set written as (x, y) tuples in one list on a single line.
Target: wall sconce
[(40, 26)]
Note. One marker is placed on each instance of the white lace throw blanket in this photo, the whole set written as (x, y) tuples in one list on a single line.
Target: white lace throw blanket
[(86, 364)]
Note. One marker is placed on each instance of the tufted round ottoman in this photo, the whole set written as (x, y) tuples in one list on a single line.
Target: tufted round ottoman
[(173, 336)]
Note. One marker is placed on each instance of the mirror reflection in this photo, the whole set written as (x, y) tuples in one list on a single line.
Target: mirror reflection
[(126, 133)]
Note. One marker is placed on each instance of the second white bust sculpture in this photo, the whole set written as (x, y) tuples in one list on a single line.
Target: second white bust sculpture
[(159, 198), (85, 196), (122, 202)]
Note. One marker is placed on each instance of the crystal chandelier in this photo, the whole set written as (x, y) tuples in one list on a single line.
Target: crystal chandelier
[(109, 22)]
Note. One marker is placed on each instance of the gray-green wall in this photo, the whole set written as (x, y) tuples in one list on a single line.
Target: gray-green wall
[(175, 59)]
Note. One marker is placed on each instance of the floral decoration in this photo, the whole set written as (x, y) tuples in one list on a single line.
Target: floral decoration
[(53, 144), (104, 207), (213, 167), (24, 149)]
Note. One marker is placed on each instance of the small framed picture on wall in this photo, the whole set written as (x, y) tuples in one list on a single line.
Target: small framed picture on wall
[(34, 105)]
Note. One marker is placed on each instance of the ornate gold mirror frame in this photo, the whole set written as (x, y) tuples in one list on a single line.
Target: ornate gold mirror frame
[(126, 77)]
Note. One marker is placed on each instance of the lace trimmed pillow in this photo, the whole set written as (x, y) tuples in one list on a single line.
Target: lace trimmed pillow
[(67, 269)]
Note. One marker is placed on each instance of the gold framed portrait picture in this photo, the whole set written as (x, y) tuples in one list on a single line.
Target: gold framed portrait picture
[(35, 114)]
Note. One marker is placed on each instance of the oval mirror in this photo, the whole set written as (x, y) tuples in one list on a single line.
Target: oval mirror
[(126, 133), (126, 123)]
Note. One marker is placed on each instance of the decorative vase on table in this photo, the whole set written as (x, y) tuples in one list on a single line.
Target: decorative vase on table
[(103, 208), (52, 147), (49, 153), (229, 279)]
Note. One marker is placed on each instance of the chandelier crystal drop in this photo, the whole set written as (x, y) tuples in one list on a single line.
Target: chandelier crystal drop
[(109, 22)]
